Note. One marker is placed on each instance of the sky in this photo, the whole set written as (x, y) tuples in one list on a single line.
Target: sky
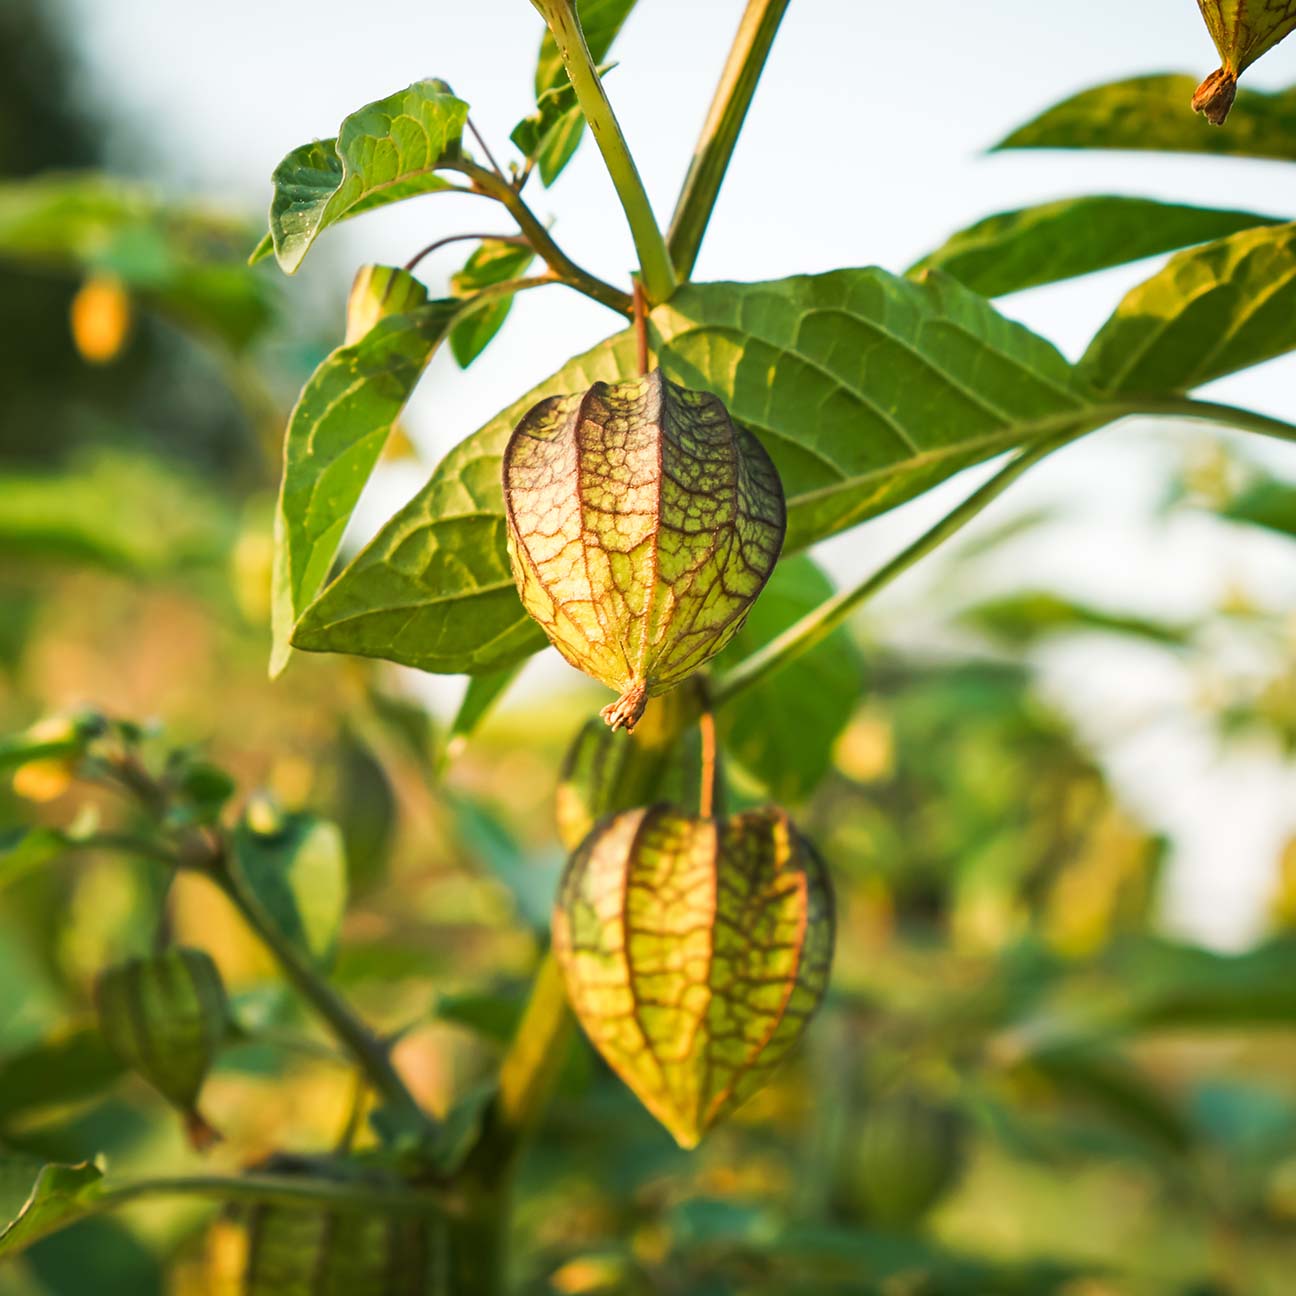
[(866, 145)]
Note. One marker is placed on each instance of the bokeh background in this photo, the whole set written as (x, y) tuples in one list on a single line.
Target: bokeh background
[(1061, 819)]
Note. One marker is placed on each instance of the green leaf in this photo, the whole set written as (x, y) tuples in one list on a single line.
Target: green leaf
[(23, 850), (335, 434), (1266, 502), (68, 1067), (180, 259), (387, 151), (781, 733), (295, 875), (866, 389), (493, 262), (1025, 618), (1153, 113), (1211, 311), (433, 589), (554, 133), (1075, 236), (36, 1199)]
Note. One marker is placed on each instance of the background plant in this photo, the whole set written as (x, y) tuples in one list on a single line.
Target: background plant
[(1017, 935)]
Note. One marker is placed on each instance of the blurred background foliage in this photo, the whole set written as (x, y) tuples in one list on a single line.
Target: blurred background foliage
[(1020, 1082)]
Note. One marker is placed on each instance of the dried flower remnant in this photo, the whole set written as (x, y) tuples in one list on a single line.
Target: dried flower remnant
[(642, 525), (695, 950), (1242, 30)]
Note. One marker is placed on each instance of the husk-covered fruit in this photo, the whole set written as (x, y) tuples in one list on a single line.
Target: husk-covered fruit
[(165, 1016), (694, 951), (642, 524)]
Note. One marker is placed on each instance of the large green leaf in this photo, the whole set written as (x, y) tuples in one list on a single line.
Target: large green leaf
[(781, 733), (1075, 236), (37, 1199), (1266, 502), (433, 589), (865, 388), (68, 1067), (552, 135), (180, 259), (1211, 311), (291, 869), (386, 151), (335, 434), (1153, 113)]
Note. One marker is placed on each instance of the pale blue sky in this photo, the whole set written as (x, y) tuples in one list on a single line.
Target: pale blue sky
[(865, 146)]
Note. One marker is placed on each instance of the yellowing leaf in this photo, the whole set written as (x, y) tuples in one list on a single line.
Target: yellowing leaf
[(694, 952)]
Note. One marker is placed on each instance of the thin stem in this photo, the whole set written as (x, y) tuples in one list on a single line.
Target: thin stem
[(485, 148), (370, 1054), (641, 326), (816, 626), (486, 182), (720, 131), (654, 260), (286, 1190), (127, 844), (436, 244), (709, 796)]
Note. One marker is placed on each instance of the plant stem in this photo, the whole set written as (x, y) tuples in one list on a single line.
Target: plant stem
[(463, 238), (816, 626), (654, 260), (709, 796), (537, 1051), (286, 1190), (492, 186), (369, 1052), (720, 131)]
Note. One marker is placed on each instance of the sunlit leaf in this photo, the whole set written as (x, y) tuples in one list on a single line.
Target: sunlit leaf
[(694, 954), (386, 151), (1152, 113), (335, 435), (178, 258), (37, 1199), (1075, 236), (1211, 311), (493, 262), (781, 732), (433, 589), (292, 869), (865, 389)]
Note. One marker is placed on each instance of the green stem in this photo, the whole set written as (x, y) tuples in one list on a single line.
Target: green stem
[(493, 186), (369, 1052), (816, 626), (654, 260), (281, 1190), (720, 131)]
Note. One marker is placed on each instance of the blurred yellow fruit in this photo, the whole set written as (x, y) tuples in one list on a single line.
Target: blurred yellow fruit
[(42, 780), (100, 318)]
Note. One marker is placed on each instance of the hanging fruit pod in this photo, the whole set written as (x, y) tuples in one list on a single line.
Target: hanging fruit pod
[(642, 524), (165, 1017), (1242, 30), (694, 950)]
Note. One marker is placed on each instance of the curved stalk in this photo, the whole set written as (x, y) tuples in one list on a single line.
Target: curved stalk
[(720, 131), (493, 186), (817, 625), (654, 260)]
